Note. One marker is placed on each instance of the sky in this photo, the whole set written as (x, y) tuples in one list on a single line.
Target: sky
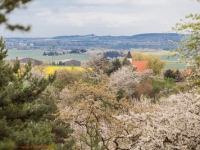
[(49, 18)]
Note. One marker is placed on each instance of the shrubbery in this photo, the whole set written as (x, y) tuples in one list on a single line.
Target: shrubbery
[(176, 75), (27, 108)]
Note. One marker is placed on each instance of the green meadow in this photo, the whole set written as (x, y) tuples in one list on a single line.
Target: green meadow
[(172, 62), (38, 54)]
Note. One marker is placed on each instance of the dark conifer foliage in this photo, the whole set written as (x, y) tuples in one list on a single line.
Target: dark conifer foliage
[(27, 108), (116, 64), (176, 75), (126, 62)]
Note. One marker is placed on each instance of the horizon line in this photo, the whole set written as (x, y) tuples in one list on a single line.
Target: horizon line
[(90, 35)]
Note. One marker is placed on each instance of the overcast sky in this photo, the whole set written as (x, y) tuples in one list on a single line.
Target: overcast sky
[(50, 18)]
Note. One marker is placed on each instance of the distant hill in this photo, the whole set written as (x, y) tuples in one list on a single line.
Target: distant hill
[(137, 36), (157, 34), (148, 40)]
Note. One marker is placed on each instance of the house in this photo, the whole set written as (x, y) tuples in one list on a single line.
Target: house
[(69, 62), (140, 65), (186, 72), (25, 60), (129, 57)]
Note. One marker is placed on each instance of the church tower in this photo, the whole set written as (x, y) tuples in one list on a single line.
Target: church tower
[(129, 57)]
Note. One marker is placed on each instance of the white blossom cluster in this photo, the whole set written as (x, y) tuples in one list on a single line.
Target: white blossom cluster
[(36, 74), (127, 78), (172, 124)]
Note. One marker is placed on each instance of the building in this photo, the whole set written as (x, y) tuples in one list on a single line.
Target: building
[(140, 65), (129, 57), (69, 62), (25, 60)]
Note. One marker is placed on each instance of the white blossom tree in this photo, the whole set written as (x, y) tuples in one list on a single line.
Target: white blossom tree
[(172, 124), (92, 110), (94, 68), (127, 78)]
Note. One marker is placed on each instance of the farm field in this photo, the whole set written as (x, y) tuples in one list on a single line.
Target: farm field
[(38, 54), (172, 62), (52, 69)]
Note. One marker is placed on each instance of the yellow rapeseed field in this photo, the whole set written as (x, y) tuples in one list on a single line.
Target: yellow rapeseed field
[(51, 69)]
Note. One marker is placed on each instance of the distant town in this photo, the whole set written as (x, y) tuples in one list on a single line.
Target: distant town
[(78, 43)]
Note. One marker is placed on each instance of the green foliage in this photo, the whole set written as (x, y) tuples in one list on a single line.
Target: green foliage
[(7, 145), (91, 108), (162, 85), (126, 62), (32, 134), (169, 74), (52, 77), (121, 93), (66, 77), (7, 7), (94, 142), (116, 64), (17, 109), (183, 87), (26, 112), (154, 88), (153, 62), (62, 131), (176, 75), (197, 61), (189, 45)]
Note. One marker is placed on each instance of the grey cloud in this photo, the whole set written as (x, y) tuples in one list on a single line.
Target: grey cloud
[(101, 17)]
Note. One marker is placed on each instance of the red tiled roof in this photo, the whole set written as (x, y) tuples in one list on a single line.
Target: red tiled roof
[(186, 72), (141, 65)]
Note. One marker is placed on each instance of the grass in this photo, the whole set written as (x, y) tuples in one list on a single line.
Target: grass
[(38, 54), (172, 62), (175, 65), (163, 52)]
